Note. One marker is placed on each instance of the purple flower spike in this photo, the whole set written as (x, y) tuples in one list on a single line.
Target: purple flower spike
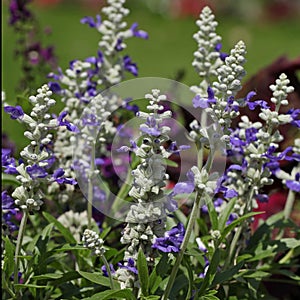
[(130, 66), (15, 112), (36, 171), (138, 33)]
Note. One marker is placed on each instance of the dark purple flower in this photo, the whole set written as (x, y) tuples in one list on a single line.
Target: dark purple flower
[(251, 135), (171, 241), (54, 87), (223, 55), (8, 210), (231, 218), (8, 162), (204, 102), (295, 114), (104, 270), (61, 122), (231, 106), (262, 197), (119, 46), (18, 11), (130, 66), (130, 266), (91, 21), (36, 171), (138, 33), (15, 112), (254, 104), (58, 177)]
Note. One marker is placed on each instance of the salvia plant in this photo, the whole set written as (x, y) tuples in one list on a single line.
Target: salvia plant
[(191, 239)]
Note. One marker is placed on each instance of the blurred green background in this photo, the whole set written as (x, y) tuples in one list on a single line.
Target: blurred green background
[(170, 46)]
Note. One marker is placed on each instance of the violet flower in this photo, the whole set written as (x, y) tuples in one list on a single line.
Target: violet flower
[(104, 270), (198, 101), (138, 33), (254, 104), (171, 241), (8, 210), (15, 112), (8, 162), (130, 266), (130, 66), (58, 177), (93, 23), (62, 122), (18, 11), (36, 171), (223, 55)]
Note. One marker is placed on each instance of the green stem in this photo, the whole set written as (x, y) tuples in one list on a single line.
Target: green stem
[(232, 249), (19, 245), (184, 244), (108, 272), (289, 204), (90, 188)]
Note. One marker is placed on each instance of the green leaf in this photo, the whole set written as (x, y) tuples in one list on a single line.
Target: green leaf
[(95, 278), (69, 247), (291, 242), (224, 215), (236, 222), (10, 180), (211, 272), (157, 274), (35, 286), (227, 275), (46, 233), (66, 277), (151, 297), (212, 213), (9, 257), (171, 163), (109, 294), (47, 276), (143, 273), (255, 274), (62, 229)]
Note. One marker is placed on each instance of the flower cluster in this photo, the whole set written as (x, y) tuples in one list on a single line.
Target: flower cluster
[(83, 80), (92, 241), (146, 219), (253, 149), (34, 168)]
